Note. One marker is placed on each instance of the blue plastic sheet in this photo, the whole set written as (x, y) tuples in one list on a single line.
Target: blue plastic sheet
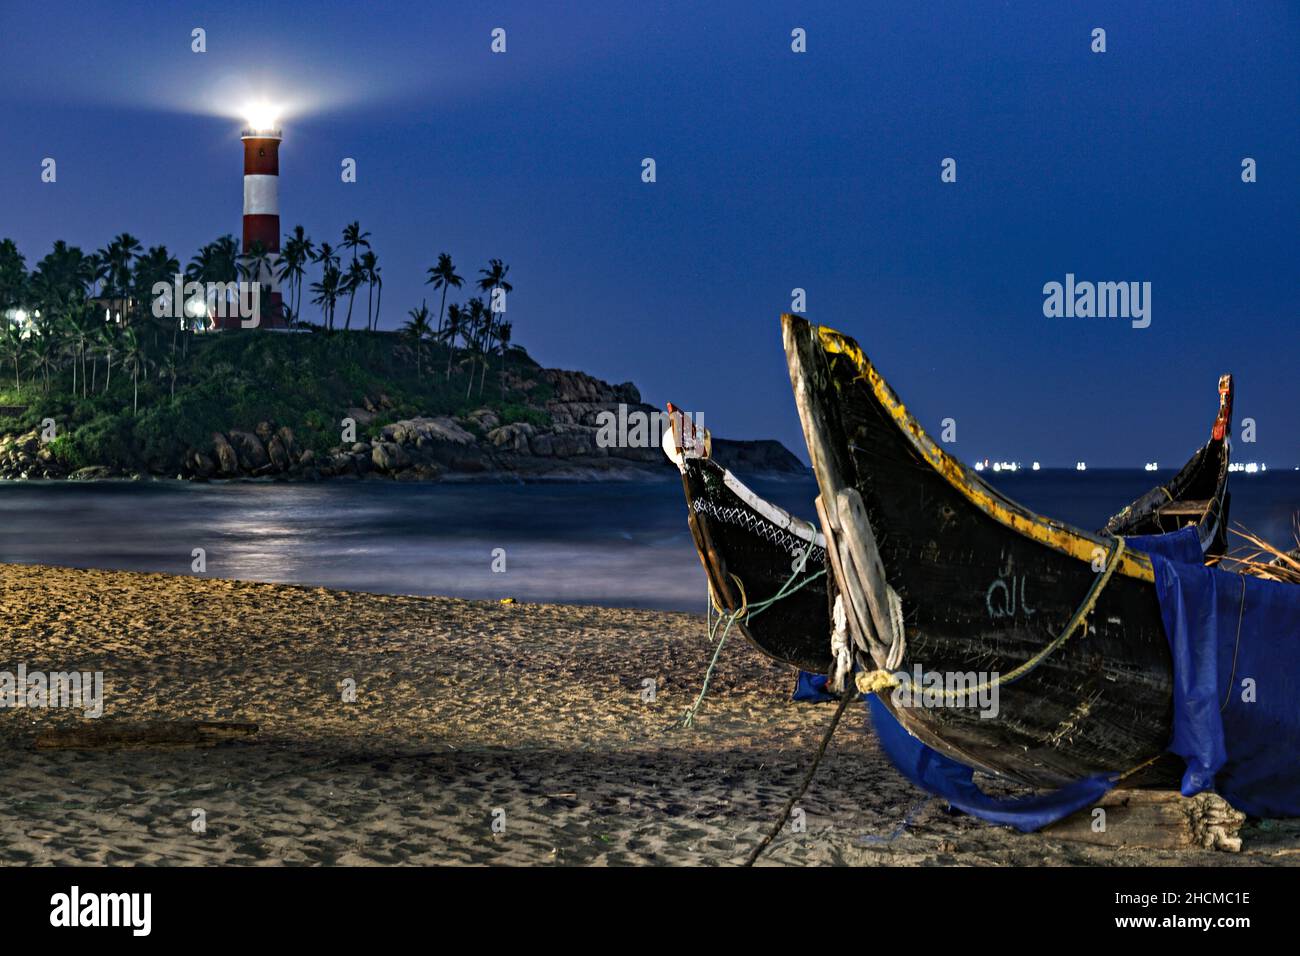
[(945, 777), (1235, 645), (1235, 641), (811, 688)]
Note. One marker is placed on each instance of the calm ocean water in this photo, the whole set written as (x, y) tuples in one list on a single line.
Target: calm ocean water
[(614, 543)]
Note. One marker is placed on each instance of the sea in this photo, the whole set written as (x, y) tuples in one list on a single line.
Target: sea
[(614, 543)]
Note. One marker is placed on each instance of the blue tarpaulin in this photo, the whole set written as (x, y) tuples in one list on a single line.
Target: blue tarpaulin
[(1235, 644), (811, 688), (1235, 641), (945, 777)]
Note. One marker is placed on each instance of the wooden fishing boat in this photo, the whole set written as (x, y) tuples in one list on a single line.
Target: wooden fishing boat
[(1197, 495), (749, 546), (942, 574)]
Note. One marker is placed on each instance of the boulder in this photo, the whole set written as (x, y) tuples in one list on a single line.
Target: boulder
[(275, 451), (226, 459), (512, 437), (91, 473), (249, 450), (389, 456), (485, 418), (447, 429), (573, 441), (285, 434)]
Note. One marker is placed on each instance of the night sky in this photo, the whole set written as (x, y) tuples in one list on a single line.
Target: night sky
[(775, 170)]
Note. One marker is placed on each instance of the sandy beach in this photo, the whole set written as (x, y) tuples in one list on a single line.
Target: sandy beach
[(466, 713)]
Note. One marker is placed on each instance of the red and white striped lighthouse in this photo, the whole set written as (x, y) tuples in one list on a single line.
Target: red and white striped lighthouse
[(262, 212)]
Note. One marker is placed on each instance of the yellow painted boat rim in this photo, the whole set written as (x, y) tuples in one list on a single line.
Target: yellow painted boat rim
[(1066, 539)]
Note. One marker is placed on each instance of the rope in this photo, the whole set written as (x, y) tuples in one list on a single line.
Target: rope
[(717, 651), (1236, 647), (849, 693), (749, 611), (875, 681)]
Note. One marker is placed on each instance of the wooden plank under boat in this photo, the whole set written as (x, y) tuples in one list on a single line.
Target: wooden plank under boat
[(984, 586), (749, 546)]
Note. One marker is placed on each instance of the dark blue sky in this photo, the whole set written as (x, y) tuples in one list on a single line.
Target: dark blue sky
[(775, 170)]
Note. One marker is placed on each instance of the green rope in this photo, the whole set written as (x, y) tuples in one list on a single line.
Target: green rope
[(749, 611)]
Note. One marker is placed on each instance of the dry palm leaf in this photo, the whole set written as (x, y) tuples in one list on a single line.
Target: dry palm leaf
[(1265, 560)]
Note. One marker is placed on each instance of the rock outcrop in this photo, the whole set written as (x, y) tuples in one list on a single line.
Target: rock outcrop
[(596, 430)]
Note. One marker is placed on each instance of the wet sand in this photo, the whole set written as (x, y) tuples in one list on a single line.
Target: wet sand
[(466, 713)]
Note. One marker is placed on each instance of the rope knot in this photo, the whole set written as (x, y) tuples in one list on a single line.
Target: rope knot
[(873, 682)]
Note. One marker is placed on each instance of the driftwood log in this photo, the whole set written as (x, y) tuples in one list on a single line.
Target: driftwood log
[(142, 735), (1155, 819)]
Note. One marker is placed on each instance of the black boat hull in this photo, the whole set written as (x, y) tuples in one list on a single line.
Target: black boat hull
[(750, 550), (747, 546), (985, 585)]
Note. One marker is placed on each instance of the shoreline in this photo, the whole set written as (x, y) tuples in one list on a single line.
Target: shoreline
[(463, 708)]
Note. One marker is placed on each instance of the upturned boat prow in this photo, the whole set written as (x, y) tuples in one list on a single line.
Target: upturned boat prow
[(983, 589), (751, 549)]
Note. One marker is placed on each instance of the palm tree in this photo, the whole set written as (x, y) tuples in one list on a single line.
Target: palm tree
[(98, 271), (418, 329), (503, 336), (117, 260), (61, 279), (443, 276), (134, 359), (326, 255), (352, 280), (370, 268), (478, 329), (167, 369), (254, 264), (13, 345), (13, 276), (449, 332), (154, 267), (297, 251), (46, 346), (216, 263), (354, 238), (494, 277), (327, 292), (328, 260), (80, 330), (108, 337)]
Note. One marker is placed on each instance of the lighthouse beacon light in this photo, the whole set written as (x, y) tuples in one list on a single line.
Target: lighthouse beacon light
[(262, 116)]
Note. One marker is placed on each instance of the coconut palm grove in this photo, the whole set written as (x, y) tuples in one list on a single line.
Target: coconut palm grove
[(86, 344)]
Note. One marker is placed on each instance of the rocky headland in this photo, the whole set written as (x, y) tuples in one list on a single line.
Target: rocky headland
[(475, 446)]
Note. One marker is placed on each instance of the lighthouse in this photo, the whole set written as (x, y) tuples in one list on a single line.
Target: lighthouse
[(261, 141)]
